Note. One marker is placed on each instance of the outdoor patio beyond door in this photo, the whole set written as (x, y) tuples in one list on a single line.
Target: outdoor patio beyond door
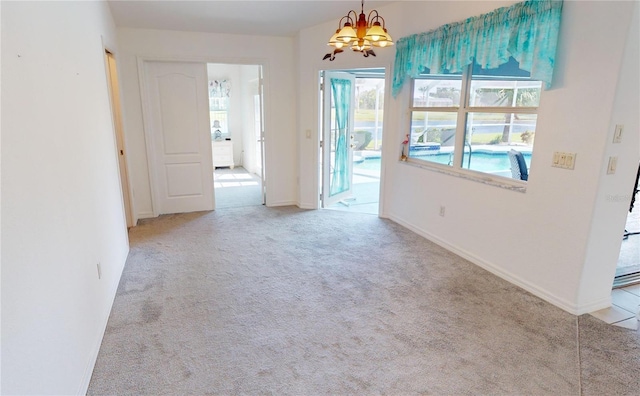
[(351, 139)]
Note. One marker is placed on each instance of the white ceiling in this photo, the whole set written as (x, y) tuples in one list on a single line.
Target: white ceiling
[(262, 18)]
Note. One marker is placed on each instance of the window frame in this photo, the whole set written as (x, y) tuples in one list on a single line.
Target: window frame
[(463, 109)]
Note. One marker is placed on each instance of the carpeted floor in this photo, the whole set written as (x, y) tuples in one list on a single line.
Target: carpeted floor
[(283, 301)]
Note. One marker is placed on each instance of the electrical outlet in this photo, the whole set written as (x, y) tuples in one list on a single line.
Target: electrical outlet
[(442, 208)]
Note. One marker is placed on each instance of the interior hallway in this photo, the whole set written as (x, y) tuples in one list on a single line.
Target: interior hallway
[(236, 187)]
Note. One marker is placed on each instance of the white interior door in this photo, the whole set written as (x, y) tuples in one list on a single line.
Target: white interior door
[(178, 119), (337, 136)]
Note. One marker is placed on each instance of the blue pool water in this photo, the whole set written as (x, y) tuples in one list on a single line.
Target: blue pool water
[(490, 162)]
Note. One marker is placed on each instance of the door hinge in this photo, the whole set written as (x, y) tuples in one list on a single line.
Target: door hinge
[(321, 144), (321, 196)]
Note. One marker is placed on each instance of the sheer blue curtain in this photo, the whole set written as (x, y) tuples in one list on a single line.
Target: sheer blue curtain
[(340, 180), (526, 31)]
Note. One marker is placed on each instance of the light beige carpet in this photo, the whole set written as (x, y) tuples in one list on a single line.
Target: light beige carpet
[(282, 301)]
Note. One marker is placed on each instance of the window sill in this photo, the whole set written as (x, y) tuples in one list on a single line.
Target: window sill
[(479, 177)]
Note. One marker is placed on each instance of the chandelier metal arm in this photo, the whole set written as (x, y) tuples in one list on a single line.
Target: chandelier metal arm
[(375, 18), (340, 22), (350, 20)]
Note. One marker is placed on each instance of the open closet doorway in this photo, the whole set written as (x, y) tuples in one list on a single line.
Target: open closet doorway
[(116, 113), (628, 268), (237, 134), (352, 103)]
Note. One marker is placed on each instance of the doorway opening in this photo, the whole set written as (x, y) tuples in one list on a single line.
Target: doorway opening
[(237, 134), (352, 114), (628, 267), (625, 296), (116, 113)]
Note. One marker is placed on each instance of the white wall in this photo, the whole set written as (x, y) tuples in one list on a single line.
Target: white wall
[(274, 54), (539, 239), (0, 214), (614, 194), (62, 208)]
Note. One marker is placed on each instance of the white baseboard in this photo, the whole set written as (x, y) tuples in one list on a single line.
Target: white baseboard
[(281, 203), (516, 280), (145, 215), (593, 306), (88, 372), (309, 206)]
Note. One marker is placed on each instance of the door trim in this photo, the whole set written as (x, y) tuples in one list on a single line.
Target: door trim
[(146, 125), (115, 106), (263, 176)]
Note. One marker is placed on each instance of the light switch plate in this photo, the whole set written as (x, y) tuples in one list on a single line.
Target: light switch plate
[(564, 160), (617, 135), (611, 167), (570, 160)]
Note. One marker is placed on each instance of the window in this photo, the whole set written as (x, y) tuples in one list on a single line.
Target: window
[(218, 111), (219, 107), (471, 120)]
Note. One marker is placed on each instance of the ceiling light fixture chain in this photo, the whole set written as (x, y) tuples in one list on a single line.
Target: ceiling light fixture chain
[(361, 31)]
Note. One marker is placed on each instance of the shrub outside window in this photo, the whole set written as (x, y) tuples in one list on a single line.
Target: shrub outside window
[(471, 120)]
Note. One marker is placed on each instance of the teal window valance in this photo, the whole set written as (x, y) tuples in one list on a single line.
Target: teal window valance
[(526, 31)]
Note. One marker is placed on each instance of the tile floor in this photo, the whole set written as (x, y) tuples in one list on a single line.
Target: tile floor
[(366, 188), (624, 309)]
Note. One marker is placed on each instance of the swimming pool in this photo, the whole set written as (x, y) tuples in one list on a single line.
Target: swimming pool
[(490, 162)]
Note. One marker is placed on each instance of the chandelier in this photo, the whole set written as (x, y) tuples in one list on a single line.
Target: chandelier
[(361, 32)]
